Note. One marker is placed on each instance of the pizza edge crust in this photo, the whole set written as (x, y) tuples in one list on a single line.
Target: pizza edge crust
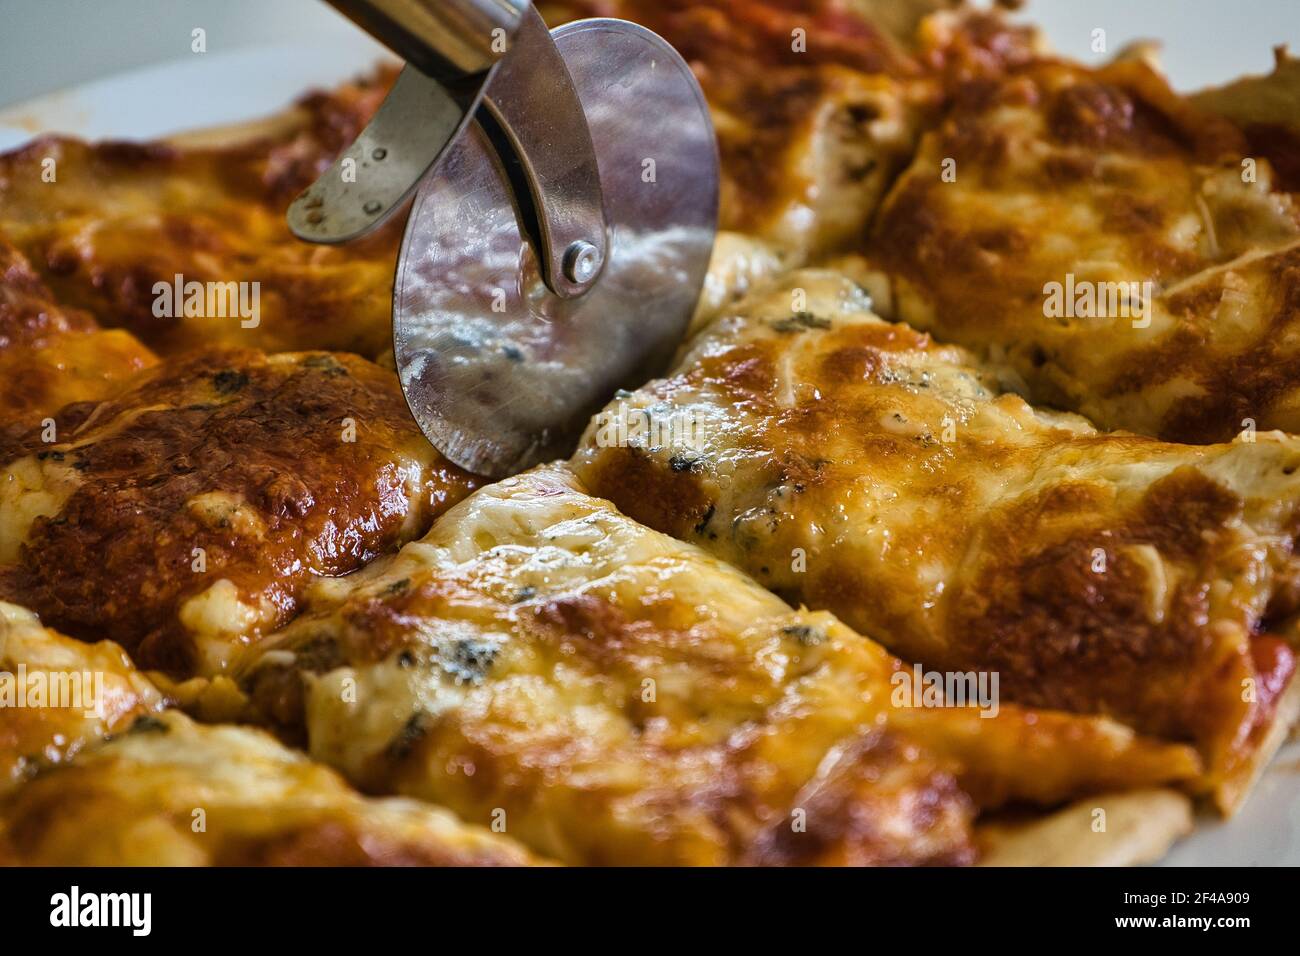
[(286, 121), (1231, 795), (1140, 827)]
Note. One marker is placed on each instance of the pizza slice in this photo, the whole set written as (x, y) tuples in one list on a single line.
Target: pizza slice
[(184, 243), (169, 792), (817, 106), (856, 466), (1115, 250), (183, 518), (611, 695), (1267, 109), (94, 771)]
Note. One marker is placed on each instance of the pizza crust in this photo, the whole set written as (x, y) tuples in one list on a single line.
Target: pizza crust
[(1271, 99), (1140, 827), (282, 124), (1230, 796)]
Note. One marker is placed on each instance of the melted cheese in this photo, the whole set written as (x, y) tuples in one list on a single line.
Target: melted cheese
[(220, 623), (172, 793), (124, 217), (184, 518), (614, 695), (810, 132), (39, 732), (50, 355), (857, 466), (738, 264), (31, 488), (1109, 243)]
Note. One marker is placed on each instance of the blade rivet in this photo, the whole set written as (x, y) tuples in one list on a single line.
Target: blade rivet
[(372, 207), (581, 261), (379, 153)]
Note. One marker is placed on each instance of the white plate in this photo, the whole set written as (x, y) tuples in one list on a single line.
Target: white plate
[(252, 82), (191, 93)]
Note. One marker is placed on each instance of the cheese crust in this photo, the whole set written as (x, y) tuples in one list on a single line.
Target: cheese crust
[(51, 356), (122, 220), (62, 695), (169, 792), (817, 107)]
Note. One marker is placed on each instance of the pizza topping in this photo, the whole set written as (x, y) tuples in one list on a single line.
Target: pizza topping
[(210, 494), (655, 706), (872, 472)]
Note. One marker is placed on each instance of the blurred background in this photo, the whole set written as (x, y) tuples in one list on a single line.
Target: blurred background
[(46, 45)]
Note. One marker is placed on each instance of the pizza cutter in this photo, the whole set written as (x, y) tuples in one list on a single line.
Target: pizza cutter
[(565, 201)]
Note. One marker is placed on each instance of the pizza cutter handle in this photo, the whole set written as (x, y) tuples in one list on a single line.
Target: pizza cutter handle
[(490, 60), (452, 48), (448, 40)]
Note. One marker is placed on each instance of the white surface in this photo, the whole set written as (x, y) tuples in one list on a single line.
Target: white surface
[(1265, 833), (191, 93), (250, 79), (1204, 42), (48, 45)]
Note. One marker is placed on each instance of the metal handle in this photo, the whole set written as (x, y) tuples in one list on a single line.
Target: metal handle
[(373, 177), (452, 48), (535, 121), (448, 40)]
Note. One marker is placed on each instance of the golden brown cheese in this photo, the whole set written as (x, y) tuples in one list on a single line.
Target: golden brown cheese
[(816, 108), (738, 265), (120, 218), (610, 695), (1107, 242), (51, 356), (819, 105), (856, 466), (183, 518), (58, 695), (168, 792)]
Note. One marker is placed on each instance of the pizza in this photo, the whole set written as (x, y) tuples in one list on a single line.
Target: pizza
[(38, 737), (53, 356), (168, 792), (818, 105), (966, 511), (104, 224)]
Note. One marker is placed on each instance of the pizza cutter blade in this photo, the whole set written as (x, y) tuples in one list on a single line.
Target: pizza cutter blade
[(556, 247)]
